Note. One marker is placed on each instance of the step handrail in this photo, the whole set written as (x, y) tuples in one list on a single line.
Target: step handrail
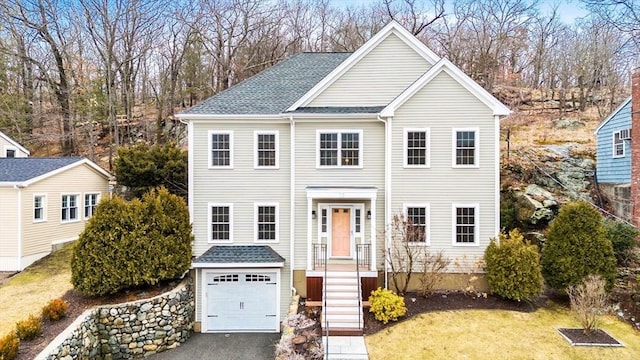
[(324, 304), (360, 315)]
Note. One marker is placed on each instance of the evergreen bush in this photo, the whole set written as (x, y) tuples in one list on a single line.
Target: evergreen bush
[(386, 305), (131, 244), (577, 246), (622, 236), (513, 267)]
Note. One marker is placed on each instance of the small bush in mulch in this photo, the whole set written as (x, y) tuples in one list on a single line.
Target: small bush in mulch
[(598, 337), (9, 345), (29, 328), (55, 310)]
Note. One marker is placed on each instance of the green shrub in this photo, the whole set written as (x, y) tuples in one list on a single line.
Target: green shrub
[(577, 246), (622, 236), (132, 244), (55, 310), (513, 267), (9, 345), (30, 328), (386, 305)]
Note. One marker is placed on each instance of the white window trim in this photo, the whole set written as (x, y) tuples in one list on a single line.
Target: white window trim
[(405, 148), (9, 147), (255, 148), (255, 222), (613, 146), (476, 228), (476, 153), (78, 206), (84, 205), (427, 206), (209, 149), (44, 207), (339, 132), (210, 227)]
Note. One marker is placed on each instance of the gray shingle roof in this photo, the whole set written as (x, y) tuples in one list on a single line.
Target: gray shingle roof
[(273, 90), (340, 110), (240, 254), (23, 169)]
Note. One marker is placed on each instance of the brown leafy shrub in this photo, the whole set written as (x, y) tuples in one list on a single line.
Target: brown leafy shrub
[(30, 328), (55, 310), (588, 300), (9, 346)]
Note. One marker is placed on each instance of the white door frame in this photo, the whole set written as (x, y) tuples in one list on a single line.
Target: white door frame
[(353, 235)]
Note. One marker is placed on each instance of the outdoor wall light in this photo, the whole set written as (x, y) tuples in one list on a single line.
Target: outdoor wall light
[(313, 214), (369, 214)]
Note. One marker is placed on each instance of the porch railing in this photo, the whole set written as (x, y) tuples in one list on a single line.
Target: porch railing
[(363, 255), (319, 255)]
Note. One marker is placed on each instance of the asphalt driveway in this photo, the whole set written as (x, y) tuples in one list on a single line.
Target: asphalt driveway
[(252, 346)]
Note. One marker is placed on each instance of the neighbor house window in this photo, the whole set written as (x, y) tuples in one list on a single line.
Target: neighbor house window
[(416, 148), (618, 144), (221, 149), (90, 203), (69, 207), (10, 153), (39, 209), (221, 219), (340, 148), (465, 147), (266, 149), (466, 224), (416, 217), (266, 222)]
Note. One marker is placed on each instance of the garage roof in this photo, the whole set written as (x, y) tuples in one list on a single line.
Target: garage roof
[(239, 256)]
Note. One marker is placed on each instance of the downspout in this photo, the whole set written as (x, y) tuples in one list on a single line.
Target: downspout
[(292, 199), (387, 192), (19, 189)]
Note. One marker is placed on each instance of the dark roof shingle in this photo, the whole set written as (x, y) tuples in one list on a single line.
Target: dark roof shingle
[(23, 169), (240, 254), (273, 90)]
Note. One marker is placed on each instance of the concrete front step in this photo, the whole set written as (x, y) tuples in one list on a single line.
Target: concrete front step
[(347, 357), (341, 302), (341, 281), (342, 295), (342, 317), (342, 287)]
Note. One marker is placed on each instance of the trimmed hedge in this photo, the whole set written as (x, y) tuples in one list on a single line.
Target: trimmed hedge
[(513, 267), (577, 246), (131, 244)]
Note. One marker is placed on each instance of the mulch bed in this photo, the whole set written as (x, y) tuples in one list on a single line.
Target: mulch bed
[(417, 304), (598, 337), (77, 305)]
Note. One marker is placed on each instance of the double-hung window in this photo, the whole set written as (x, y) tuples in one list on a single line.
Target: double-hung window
[(465, 147), (90, 203), (465, 220), (618, 145), (339, 148), (221, 222), (220, 149), (39, 208), (266, 222), (69, 208), (417, 216), (266, 149), (416, 147)]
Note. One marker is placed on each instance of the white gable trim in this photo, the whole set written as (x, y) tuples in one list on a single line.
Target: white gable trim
[(14, 143), (457, 74), (392, 28), (84, 161), (614, 113)]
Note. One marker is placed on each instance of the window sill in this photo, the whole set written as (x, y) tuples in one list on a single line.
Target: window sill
[(70, 221), (466, 244), (220, 241), (277, 241), (220, 168), (40, 221), (417, 167), (465, 166), (266, 168)]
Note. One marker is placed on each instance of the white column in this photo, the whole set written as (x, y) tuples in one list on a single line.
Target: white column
[(373, 235), (309, 242)]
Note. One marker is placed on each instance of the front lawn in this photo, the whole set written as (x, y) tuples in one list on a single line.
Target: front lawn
[(495, 334)]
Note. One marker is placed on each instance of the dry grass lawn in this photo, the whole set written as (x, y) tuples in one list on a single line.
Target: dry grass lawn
[(496, 334), (27, 292)]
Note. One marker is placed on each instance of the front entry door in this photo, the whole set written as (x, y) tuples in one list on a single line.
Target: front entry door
[(341, 232)]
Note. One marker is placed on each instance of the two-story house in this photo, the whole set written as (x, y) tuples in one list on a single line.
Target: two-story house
[(296, 173)]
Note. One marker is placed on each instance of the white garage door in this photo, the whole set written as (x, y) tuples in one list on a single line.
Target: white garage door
[(242, 301)]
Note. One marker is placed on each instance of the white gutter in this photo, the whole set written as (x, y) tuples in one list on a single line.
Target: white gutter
[(292, 200), (19, 189), (387, 194)]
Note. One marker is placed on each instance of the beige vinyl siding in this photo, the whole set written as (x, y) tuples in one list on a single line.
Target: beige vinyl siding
[(370, 175), (38, 236), (241, 186), (377, 78), (442, 105), (9, 223)]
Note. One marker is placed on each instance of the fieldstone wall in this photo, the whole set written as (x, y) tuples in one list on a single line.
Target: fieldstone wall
[(128, 330)]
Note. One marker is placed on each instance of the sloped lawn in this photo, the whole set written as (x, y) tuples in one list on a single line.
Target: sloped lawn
[(495, 334), (27, 292)]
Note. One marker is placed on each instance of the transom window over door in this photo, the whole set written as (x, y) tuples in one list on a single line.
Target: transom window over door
[(416, 147), (339, 148), (221, 149), (466, 224), (465, 147), (266, 153), (220, 222), (266, 223), (69, 207)]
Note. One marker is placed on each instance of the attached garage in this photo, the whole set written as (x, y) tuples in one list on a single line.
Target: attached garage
[(237, 295)]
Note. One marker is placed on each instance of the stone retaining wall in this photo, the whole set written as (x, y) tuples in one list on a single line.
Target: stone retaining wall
[(128, 330)]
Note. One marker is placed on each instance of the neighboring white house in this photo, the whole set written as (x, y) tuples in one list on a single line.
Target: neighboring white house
[(301, 168), (9, 148), (45, 202)]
